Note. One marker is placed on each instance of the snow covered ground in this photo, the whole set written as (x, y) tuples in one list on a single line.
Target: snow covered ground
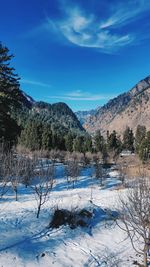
[(26, 241)]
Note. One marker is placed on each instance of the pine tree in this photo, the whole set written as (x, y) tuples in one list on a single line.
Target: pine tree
[(139, 136), (114, 142), (10, 93), (47, 138), (69, 142), (78, 144), (128, 139), (10, 96), (98, 141), (88, 144), (31, 136), (144, 148)]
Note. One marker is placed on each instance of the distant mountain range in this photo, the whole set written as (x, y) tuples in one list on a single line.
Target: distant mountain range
[(129, 109), (86, 114)]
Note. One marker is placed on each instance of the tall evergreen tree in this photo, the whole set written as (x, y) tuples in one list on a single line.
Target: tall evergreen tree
[(10, 96), (139, 136), (98, 141), (69, 142), (47, 138), (31, 136), (10, 93), (114, 142), (88, 144), (128, 139), (78, 144), (144, 148)]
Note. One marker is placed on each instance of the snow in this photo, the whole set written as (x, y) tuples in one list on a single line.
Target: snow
[(28, 242)]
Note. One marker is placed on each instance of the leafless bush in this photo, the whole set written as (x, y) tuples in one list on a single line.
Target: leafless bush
[(16, 166), (122, 173), (53, 155), (88, 157), (21, 150), (43, 184), (4, 172), (135, 217), (72, 170), (96, 157), (28, 171), (110, 259), (11, 171)]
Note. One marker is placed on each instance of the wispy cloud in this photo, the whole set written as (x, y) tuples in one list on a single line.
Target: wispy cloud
[(35, 83), (82, 96), (125, 13), (85, 29)]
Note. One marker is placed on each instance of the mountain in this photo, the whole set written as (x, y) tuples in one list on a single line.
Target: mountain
[(129, 109), (49, 126), (85, 114), (58, 115), (23, 112), (28, 101)]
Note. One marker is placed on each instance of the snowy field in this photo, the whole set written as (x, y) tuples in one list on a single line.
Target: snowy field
[(28, 242)]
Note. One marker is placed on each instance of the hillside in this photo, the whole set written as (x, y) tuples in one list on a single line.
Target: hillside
[(37, 124), (129, 109), (57, 114)]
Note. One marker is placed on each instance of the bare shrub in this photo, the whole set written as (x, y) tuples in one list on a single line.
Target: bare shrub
[(72, 170), (29, 165), (4, 172), (135, 217), (43, 184), (122, 173), (53, 154)]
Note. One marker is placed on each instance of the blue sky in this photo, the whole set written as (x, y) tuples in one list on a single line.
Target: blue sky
[(82, 52)]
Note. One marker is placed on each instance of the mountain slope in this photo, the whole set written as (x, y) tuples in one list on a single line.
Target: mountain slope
[(58, 114), (23, 110), (128, 109), (28, 100)]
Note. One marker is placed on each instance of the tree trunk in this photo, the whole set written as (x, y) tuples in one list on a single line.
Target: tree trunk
[(16, 194), (145, 257), (39, 207), (38, 212)]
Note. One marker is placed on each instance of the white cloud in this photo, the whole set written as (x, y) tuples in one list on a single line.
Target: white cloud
[(82, 96), (88, 30), (125, 12), (36, 83), (84, 31)]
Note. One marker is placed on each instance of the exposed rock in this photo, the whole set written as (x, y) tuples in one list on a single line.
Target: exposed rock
[(128, 109)]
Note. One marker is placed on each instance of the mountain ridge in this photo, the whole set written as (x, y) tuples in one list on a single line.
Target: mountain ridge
[(127, 109)]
